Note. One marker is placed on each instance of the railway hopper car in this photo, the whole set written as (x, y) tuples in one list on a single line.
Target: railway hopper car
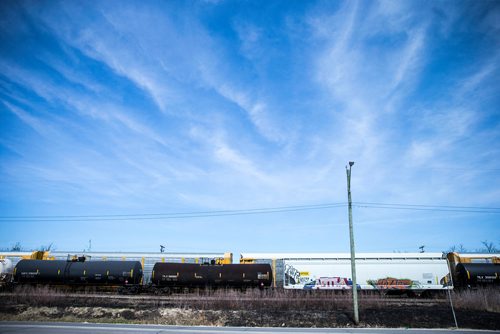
[(81, 273), (410, 273), (179, 275)]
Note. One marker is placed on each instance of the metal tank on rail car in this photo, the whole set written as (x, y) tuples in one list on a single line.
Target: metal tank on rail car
[(478, 274), (472, 269), (78, 272), (203, 275)]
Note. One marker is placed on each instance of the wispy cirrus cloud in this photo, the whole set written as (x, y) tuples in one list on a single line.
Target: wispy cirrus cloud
[(152, 64), (370, 69), (114, 107), (39, 126)]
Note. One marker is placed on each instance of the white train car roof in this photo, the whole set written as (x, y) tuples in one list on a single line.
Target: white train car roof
[(167, 255), (347, 256)]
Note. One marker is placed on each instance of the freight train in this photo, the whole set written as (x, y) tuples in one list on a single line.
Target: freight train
[(127, 276), (411, 273)]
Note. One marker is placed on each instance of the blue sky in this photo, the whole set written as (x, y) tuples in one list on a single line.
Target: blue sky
[(160, 107)]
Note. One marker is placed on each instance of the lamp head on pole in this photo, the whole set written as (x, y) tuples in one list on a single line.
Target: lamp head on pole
[(351, 163)]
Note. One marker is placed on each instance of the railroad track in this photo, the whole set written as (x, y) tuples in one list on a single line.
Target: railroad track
[(187, 299)]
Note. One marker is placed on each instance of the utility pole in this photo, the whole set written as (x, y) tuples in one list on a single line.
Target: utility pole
[(351, 237)]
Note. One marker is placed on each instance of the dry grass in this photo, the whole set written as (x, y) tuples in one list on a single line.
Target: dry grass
[(282, 300), (483, 299), (249, 300), (47, 296), (474, 308)]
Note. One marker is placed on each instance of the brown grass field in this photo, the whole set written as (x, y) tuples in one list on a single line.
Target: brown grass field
[(479, 309)]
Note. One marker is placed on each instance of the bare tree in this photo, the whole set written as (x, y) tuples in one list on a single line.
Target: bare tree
[(489, 247), (46, 248), (452, 249), (17, 247)]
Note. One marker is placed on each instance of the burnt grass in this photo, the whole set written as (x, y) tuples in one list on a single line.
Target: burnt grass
[(474, 309)]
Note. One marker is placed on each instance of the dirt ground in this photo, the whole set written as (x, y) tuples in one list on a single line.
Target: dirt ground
[(435, 316)]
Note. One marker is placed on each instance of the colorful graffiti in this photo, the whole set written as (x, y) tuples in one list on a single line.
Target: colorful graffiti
[(335, 283), (393, 283)]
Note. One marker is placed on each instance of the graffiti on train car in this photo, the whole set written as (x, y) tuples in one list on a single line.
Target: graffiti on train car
[(393, 283), (292, 274), (333, 283)]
